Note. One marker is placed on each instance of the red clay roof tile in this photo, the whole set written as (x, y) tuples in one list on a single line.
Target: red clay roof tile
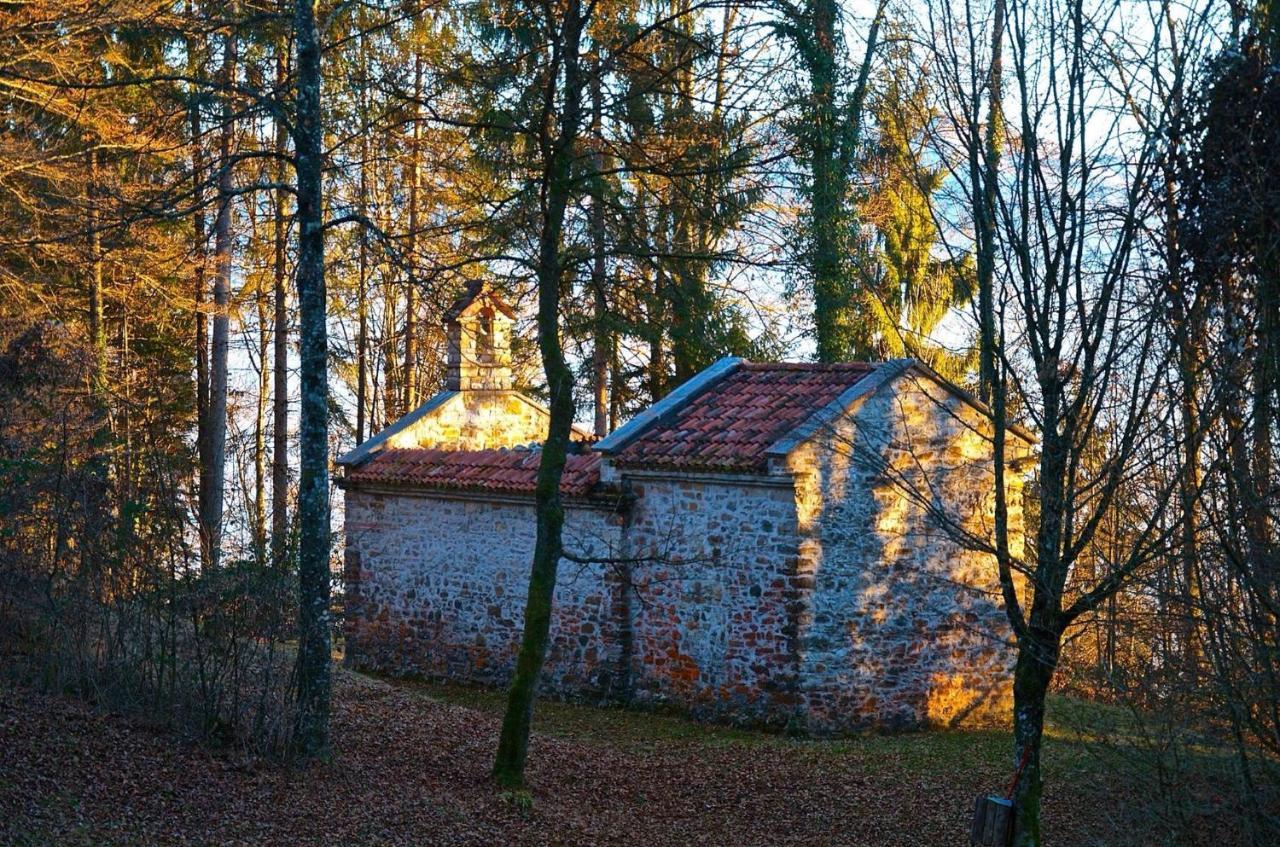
[(731, 424), (507, 471)]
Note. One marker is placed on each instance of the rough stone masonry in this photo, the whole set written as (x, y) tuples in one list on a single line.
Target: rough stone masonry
[(782, 544)]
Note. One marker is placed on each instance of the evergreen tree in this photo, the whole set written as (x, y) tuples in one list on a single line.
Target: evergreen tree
[(828, 133), (903, 290)]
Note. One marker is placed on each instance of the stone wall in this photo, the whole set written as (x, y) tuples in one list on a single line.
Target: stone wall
[(479, 355), (842, 599), (436, 586), (477, 420), (711, 627), (904, 627)]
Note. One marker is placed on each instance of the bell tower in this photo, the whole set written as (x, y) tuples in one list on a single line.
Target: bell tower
[(479, 331)]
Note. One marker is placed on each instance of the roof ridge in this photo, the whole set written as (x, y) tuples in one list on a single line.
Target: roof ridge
[(811, 366)]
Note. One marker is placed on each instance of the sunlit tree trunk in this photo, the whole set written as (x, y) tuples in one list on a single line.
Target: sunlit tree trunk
[(97, 327), (362, 293), (985, 189), (260, 420), (199, 236), (392, 383)]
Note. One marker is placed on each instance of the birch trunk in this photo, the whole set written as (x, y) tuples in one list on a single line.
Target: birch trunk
[(199, 234)]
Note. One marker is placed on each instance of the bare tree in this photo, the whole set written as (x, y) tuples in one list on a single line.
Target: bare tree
[(1078, 347)]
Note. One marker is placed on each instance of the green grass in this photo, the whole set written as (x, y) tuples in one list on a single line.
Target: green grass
[(1083, 739), (928, 753), (622, 728)]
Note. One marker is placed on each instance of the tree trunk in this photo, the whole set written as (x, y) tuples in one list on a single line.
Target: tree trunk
[(96, 507), (362, 293), (411, 272), (280, 350), (689, 301), (212, 504), (97, 327), (831, 294), (1188, 330), (199, 235), (656, 330), (362, 331), (260, 424), (1037, 659), (600, 352), (658, 303), (311, 732), (557, 164), (833, 137), (985, 193)]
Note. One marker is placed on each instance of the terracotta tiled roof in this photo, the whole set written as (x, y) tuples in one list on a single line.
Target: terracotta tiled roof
[(508, 471), (731, 424)]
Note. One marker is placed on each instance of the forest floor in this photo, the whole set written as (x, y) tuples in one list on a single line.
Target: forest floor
[(410, 767)]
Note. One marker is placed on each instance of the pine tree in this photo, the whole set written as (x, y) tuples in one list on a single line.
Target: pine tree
[(903, 290)]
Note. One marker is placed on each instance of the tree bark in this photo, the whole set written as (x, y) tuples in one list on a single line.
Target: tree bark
[(97, 326), (557, 148), (831, 294), (362, 294), (199, 234), (280, 351), (1037, 659), (311, 731), (410, 373), (212, 504), (985, 193), (600, 352), (96, 507), (833, 139), (260, 422)]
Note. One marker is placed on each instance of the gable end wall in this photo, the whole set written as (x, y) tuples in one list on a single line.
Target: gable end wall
[(477, 420), (905, 627)]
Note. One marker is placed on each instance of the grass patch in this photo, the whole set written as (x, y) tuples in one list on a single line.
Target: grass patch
[(927, 754), (623, 728)]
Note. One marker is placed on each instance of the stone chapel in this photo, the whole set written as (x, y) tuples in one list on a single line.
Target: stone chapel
[(771, 543)]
